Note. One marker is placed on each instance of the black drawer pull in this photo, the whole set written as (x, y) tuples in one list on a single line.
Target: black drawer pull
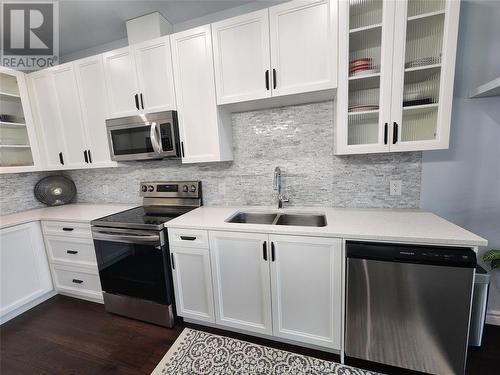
[(394, 132), (68, 229), (61, 158), (267, 79), (85, 156), (173, 261), (188, 238), (90, 156), (273, 255), (72, 251), (136, 96), (264, 250), (386, 132), (76, 281), (275, 81)]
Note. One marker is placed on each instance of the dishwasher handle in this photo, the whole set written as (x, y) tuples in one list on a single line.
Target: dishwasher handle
[(407, 253)]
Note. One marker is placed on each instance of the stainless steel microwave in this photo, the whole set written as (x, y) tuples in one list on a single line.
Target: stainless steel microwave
[(144, 136)]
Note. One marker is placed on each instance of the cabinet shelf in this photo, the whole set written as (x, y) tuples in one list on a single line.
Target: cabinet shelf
[(491, 88), (364, 76), (7, 96), (15, 146), (426, 15), (361, 113), (12, 124), (423, 67), (420, 108), (365, 28)]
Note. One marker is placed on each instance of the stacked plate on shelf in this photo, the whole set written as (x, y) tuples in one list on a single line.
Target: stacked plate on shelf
[(361, 66)]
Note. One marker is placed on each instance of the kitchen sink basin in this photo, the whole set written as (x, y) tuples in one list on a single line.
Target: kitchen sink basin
[(271, 218), (302, 220), (253, 218)]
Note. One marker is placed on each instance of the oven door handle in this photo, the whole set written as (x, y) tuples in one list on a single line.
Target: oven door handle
[(154, 138), (151, 239)]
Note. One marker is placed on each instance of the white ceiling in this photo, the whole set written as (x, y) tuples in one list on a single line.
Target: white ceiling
[(86, 24)]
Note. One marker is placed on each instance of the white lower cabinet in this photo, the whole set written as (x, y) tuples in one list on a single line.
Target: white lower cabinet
[(285, 286), (306, 279), (193, 283), (24, 271), (241, 280)]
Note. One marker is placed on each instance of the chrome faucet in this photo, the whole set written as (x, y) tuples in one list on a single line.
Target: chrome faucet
[(277, 185)]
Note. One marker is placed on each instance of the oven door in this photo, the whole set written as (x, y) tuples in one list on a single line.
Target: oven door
[(134, 263), (130, 139)]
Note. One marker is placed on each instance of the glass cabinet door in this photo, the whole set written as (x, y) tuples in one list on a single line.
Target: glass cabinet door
[(15, 148), (365, 75), (418, 82)]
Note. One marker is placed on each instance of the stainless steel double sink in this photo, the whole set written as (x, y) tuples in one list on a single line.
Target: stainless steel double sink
[(277, 218)]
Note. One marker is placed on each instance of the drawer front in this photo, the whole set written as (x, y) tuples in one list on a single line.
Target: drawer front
[(77, 251), (188, 238), (78, 281), (68, 229)]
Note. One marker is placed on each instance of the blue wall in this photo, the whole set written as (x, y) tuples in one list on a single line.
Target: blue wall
[(462, 184)]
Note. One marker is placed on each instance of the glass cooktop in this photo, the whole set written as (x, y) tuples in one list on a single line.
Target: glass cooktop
[(144, 217)]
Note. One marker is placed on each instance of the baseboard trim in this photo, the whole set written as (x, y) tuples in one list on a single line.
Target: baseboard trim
[(493, 317), (22, 309)]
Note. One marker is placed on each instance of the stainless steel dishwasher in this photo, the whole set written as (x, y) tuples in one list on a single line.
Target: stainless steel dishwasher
[(409, 306)]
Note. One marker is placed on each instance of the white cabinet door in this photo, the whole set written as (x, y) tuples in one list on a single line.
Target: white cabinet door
[(425, 43), (46, 114), (121, 82), (24, 271), (193, 283), (204, 137), (306, 279), (240, 271), (71, 116), (156, 78), (242, 57), (303, 46), (92, 89)]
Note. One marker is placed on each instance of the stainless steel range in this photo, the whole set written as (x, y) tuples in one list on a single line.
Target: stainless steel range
[(133, 255)]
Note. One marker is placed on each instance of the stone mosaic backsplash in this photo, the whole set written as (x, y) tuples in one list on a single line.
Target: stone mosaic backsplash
[(299, 139)]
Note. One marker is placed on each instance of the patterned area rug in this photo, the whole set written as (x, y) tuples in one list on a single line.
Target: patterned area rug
[(196, 352)]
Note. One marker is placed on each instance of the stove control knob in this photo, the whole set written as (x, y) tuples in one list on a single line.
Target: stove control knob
[(144, 188), (185, 189), (151, 188), (193, 188)]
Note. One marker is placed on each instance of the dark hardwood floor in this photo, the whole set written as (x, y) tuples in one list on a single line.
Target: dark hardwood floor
[(70, 336)]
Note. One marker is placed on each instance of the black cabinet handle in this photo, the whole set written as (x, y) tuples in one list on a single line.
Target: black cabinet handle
[(90, 156), (76, 281), (66, 229), (61, 159), (182, 148), (394, 132), (264, 250), (85, 156), (275, 82), (188, 238), (173, 261), (136, 96), (386, 130), (267, 79), (142, 101), (273, 255), (72, 251)]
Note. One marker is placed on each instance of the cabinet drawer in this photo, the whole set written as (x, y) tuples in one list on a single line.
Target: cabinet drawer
[(188, 238), (69, 229), (79, 251), (77, 281)]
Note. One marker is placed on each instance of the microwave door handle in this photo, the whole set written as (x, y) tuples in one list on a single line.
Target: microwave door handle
[(154, 138)]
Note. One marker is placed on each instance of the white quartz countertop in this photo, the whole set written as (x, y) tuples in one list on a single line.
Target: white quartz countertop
[(69, 212), (400, 225)]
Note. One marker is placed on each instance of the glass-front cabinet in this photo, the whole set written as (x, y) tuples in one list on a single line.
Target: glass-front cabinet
[(18, 146), (396, 71)]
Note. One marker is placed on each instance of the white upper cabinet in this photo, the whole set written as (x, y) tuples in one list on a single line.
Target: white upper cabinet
[(241, 280), (140, 78), (303, 46), (396, 72), (205, 131), (70, 114), (306, 284), (121, 82), (156, 78), (286, 49), (92, 89), (242, 57), (19, 150)]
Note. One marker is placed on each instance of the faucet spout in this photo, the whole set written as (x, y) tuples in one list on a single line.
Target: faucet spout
[(277, 185)]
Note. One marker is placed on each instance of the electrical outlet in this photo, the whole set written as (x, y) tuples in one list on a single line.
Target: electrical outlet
[(395, 187), (105, 189)]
